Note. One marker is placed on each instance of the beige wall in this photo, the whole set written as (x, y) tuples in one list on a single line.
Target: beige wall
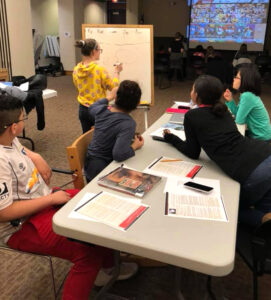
[(95, 12), (132, 12), (45, 16), (45, 22), (78, 21), (20, 37), (67, 33), (166, 17)]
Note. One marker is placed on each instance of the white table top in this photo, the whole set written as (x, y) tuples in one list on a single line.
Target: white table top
[(199, 245)]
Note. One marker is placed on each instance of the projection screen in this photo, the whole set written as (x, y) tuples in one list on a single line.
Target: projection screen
[(226, 24)]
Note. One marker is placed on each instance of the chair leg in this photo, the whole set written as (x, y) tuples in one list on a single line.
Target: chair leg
[(101, 294), (52, 276), (177, 283), (209, 287), (255, 286)]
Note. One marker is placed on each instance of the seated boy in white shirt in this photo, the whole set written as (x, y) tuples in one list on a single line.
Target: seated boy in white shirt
[(26, 198)]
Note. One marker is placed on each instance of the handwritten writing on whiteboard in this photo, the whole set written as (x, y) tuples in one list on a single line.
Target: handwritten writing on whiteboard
[(130, 46)]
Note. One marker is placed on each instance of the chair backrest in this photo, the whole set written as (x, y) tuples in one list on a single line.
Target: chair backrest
[(197, 61), (76, 157), (263, 60)]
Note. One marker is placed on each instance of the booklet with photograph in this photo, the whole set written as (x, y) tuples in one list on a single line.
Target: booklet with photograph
[(129, 181)]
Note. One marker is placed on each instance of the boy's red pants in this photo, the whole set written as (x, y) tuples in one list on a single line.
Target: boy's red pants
[(37, 236)]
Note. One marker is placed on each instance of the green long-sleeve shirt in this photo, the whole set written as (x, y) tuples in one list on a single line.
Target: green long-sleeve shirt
[(251, 111)]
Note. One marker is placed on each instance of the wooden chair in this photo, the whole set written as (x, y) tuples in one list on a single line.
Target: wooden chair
[(76, 153), (4, 74)]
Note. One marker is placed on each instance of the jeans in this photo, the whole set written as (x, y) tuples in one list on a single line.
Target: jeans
[(93, 166), (87, 121), (255, 196)]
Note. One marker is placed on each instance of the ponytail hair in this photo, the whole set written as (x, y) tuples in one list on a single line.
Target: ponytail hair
[(87, 46), (209, 91), (219, 109)]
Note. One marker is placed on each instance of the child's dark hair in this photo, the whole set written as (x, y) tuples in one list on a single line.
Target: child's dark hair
[(128, 95), (199, 48), (10, 110), (250, 79), (86, 46), (209, 90), (243, 49)]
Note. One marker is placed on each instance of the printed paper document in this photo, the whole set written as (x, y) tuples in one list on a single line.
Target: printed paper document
[(113, 210), (183, 202), (167, 166)]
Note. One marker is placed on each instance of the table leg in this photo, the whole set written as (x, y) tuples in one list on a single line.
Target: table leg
[(102, 294), (178, 283), (146, 109), (146, 118)]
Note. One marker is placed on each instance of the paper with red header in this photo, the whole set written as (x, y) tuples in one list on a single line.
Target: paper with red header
[(168, 166), (171, 110), (113, 210)]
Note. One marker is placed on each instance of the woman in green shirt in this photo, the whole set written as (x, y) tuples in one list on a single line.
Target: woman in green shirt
[(250, 110)]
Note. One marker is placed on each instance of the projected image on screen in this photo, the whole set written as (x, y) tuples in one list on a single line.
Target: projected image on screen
[(226, 24)]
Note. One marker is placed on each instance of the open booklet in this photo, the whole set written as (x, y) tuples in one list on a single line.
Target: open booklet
[(167, 166), (186, 203), (112, 210), (176, 129), (129, 181)]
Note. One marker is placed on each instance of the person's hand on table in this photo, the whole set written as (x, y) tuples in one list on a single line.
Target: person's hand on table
[(166, 131), (138, 141)]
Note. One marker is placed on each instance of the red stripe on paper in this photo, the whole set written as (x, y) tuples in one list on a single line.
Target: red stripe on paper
[(132, 217), (193, 172), (176, 110)]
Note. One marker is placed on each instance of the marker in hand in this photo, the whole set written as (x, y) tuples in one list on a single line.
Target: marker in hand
[(117, 64)]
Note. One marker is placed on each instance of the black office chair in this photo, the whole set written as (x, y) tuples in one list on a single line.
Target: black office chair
[(219, 68), (161, 70), (198, 65), (254, 247), (263, 63)]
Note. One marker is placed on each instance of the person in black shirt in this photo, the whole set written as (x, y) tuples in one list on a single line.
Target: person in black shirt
[(176, 51), (248, 161)]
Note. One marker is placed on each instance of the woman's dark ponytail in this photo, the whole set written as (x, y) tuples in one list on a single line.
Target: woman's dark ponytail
[(219, 109)]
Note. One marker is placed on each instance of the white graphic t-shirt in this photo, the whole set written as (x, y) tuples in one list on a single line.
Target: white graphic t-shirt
[(19, 180)]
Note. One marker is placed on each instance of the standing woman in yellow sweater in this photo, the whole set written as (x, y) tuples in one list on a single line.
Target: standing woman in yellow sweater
[(91, 80)]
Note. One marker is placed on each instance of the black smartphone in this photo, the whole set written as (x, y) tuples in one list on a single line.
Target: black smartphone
[(183, 107), (198, 187)]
